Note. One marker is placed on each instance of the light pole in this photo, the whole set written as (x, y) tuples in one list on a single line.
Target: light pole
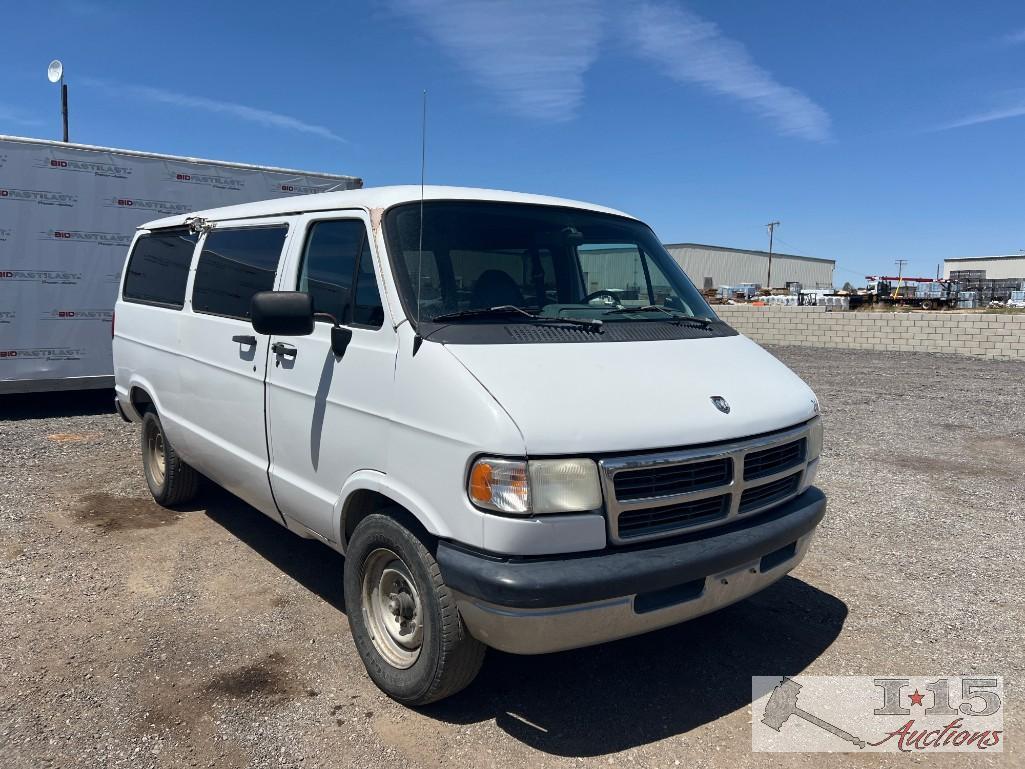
[(55, 74), (771, 226)]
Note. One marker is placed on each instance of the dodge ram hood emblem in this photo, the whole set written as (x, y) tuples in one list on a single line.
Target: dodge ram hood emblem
[(720, 403)]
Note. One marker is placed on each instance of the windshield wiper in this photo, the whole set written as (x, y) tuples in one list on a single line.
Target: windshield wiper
[(505, 310), (681, 317)]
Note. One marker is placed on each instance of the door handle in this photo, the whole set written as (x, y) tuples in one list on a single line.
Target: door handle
[(281, 348), (247, 339)]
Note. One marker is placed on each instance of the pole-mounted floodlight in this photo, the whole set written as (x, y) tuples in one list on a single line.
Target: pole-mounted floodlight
[(55, 74)]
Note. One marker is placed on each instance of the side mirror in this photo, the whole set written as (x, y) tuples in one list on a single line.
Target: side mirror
[(288, 313), (340, 338)]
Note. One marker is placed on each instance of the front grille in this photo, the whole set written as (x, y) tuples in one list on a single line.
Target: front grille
[(767, 493), (660, 494), (673, 479), (759, 464), (655, 520)]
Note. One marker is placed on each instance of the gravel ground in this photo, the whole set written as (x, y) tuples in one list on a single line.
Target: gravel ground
[(134, 636)]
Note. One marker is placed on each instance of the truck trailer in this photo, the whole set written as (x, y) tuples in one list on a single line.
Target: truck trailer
[(67, 215)]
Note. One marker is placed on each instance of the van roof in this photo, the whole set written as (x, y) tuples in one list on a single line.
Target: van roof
[(369, 198)]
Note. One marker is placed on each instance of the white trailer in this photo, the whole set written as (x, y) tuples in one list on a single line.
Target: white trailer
[(67, 214)]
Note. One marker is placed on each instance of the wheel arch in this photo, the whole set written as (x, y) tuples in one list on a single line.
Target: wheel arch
[(369, 491), (141, 397)]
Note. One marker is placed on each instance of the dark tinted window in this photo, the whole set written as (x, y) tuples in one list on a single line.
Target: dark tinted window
[(234, 265), (159, 268), (553, 262), (368, 310), (337, 255)]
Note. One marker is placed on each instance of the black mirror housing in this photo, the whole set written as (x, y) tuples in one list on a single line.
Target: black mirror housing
[(287, 313), (340, 338)]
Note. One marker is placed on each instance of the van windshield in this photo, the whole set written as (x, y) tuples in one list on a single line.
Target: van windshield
[(483, 262)]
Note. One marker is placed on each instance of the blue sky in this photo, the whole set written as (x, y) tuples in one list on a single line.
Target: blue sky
[(872, 130)]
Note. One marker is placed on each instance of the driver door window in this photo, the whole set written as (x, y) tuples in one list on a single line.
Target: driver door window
[(337, 257)]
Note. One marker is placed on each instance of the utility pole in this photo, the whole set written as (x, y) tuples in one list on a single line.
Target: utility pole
[(768, 279), (900, 274)]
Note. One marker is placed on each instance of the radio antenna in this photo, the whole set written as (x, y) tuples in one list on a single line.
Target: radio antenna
[(417, 339)]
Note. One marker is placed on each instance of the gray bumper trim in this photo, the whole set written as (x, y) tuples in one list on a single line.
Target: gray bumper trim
[(539, 631)]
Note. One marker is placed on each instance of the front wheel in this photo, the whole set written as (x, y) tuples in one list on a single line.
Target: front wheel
[(170, 480), (403, 617)]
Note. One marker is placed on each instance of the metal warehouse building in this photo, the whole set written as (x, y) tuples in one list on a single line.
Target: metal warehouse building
[(995, 267), (714, 266)]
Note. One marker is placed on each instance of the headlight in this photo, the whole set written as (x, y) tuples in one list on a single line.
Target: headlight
[(538, 486), (814, 438), (500, 484), (814, 449)]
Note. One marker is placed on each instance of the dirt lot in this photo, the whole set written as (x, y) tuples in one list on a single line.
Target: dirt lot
[(133, 636)]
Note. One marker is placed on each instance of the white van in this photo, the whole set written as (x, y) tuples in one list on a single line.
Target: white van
[(514, 414)]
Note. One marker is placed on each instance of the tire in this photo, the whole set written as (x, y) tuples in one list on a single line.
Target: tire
[(170, 480), (421, 612)]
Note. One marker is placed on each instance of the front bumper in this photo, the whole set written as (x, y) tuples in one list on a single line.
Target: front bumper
[(546, 604)]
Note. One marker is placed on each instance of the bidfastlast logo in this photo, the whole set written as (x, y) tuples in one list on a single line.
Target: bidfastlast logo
[(84, 236), (104, 315), (94, 167), (144, 204), (43, 353), (210, 180), (40, 197), (43, 277), (299, 189)]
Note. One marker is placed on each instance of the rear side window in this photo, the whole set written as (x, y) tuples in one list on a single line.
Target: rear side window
[(234, 265), (158, 268), (337, 257)]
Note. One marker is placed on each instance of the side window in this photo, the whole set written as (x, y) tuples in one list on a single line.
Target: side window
[(336, 258), (234, 265), (158, 268), (367, 310)]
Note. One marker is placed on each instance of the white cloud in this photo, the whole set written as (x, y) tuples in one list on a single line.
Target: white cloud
[(240, 111), (1004, 113), (531, 54), (690, 49)]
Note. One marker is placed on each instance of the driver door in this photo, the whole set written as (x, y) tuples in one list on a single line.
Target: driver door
[(327, 415)]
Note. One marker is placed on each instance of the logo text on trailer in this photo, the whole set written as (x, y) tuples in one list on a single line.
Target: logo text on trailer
[(39, 197), (93, 167)]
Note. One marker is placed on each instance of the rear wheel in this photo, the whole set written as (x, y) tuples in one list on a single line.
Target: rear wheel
[(170, 480), (403, 617)]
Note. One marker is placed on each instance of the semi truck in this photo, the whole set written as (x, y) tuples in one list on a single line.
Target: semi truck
[(67, 215)]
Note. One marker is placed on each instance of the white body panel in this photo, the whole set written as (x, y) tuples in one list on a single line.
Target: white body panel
[(325, 417), (381, 419), (638, 395)]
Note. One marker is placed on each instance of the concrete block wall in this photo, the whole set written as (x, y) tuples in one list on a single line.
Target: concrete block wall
[(983, 335)]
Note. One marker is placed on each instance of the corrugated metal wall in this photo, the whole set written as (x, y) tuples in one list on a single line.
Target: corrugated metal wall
[(728, 267), (996, 269)]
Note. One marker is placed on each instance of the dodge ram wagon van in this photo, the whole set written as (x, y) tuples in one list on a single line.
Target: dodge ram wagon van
[(515, 416)]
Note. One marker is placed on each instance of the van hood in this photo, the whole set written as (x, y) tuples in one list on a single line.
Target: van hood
[(633, 396)]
